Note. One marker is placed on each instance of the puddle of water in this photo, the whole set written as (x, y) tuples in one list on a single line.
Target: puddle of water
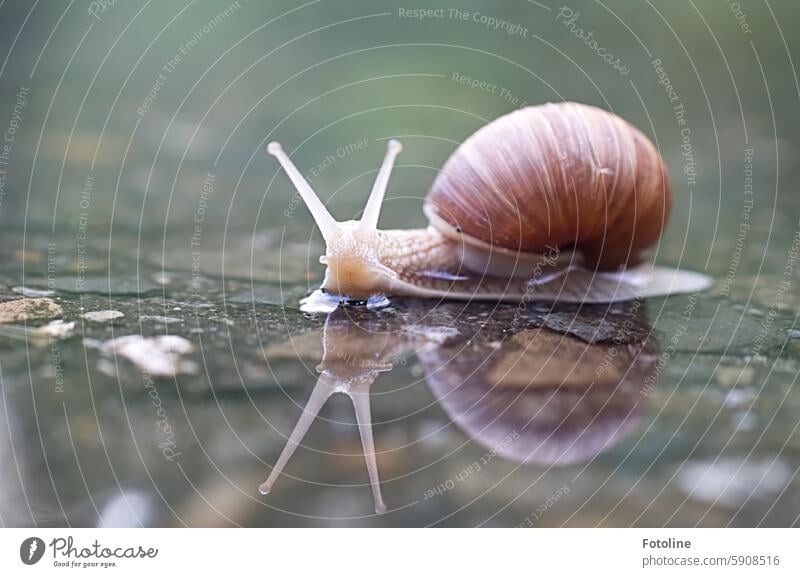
[(530, 395)]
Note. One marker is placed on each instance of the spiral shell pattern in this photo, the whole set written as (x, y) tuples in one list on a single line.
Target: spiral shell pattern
[(561, 175)]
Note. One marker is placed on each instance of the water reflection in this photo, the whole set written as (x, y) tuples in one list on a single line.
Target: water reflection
[(550, 387), (352, 358)]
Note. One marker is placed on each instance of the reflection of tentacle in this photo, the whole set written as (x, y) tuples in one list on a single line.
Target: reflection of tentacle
[(322, 390), (364, 420), (356, 387)]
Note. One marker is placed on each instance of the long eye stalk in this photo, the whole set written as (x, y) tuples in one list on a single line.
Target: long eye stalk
[(369, 220), (326, 223), (324, 220)]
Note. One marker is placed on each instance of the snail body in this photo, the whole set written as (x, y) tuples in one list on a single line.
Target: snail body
[(557, 202)]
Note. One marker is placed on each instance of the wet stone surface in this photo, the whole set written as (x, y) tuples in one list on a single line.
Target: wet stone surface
[(191, 383)]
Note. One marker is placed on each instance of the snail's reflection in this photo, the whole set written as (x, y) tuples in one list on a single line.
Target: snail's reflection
[(352, 357), (564, 385), (561, 399)]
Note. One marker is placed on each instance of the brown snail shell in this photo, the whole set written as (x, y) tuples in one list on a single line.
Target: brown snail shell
[(557, 175)]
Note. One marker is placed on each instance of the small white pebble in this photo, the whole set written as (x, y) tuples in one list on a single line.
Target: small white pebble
[(161, 319), (102, 316), (32, 292), (160, 356), (57, 329)]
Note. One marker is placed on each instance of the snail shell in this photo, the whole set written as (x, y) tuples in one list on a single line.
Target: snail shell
[(555, 175)]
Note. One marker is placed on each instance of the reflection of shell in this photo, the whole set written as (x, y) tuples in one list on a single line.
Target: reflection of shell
[(560, 399)]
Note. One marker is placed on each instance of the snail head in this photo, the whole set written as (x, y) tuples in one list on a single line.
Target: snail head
[(353, 247)]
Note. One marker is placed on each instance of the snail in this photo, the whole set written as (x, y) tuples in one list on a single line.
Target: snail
[(557, 389), (557, 202)]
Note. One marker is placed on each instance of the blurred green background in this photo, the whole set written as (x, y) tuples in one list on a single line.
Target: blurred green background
[(321, 75)]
